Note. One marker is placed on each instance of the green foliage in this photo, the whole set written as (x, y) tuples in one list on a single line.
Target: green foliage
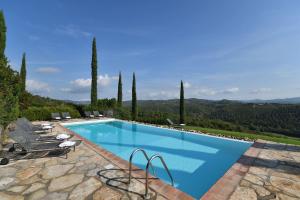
[(44, 112), (23, 74), (120, 95), (9, 94), (122, 113), (94, 74), (9, 83), (229, 115), (2, 35), (181, 109), (134, 100), (252, 136), (102, 104)]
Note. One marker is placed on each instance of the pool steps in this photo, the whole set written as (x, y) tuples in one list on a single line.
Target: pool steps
[(149, 163)]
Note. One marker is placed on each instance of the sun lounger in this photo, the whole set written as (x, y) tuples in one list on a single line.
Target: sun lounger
[(26, 146), (55, 116), (172, 124), (88, 114), (66, 115), (97, 114), (28, 126)]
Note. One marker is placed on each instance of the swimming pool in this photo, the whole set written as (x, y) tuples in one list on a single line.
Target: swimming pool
[(196, 161)]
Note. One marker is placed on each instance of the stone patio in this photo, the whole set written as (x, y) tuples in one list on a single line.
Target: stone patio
[(276, 172), (88, 174), (73, 178)]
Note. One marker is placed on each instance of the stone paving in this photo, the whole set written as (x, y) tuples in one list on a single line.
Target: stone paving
[(274, 174), (73, 178)]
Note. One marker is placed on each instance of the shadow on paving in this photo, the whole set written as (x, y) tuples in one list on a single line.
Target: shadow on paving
[(122, 181), (278, 147), (285, 166)]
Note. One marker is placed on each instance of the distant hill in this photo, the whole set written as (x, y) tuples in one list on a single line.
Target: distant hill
[(258, 115), (294, 100)]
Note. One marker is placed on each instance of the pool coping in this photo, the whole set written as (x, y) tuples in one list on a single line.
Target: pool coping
[(222, 189), (156, 126)]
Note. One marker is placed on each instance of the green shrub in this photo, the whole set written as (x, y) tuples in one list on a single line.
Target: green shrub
[(44, 113)]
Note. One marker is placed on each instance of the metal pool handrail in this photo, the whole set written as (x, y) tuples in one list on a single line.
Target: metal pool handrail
[(130, 162), (147, 171)]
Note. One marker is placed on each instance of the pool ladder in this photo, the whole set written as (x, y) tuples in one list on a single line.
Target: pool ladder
[(149, 163)]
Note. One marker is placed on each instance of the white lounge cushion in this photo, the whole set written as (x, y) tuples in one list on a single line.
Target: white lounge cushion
[(67, 144), (47, 127), (57, 118), (46, 124), (68, 117), (63, 136)]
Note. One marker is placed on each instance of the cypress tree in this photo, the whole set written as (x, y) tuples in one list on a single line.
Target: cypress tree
[(2, 35), (94, 74), (23, 74), (181, 110), (120, 95), (133, 101)]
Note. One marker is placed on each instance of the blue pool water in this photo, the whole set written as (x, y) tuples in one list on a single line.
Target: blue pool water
[(195, 161)]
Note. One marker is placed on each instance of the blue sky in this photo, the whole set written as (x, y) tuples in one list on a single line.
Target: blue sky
[(220, 49)]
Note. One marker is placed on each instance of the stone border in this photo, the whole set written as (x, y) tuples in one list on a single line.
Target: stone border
[(155, 184), (227, 184), (221, 190)]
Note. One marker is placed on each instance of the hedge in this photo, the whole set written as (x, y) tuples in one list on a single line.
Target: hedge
[(44, 113)]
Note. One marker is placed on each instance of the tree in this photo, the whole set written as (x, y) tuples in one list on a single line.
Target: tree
[(23, 74), (2, 35), (9, 83), (133, 101), (120, 95), (181, 110), (94, 74)]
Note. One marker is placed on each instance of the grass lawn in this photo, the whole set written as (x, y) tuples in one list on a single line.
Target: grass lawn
[(252, 136)]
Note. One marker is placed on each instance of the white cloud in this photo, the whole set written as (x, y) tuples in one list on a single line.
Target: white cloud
[(37, 86), (82, 85), (48, 70), (260, 90), (205, 91), (72, 31), (231, 90), (162, 95), (187, 85)]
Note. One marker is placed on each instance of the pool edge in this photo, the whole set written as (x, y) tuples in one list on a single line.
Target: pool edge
[(227, 184)]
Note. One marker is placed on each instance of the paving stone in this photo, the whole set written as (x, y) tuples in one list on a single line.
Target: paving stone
[(66, 181), (106, 193), (17, 189), (27, 173), (31, 180), (261, 191), (286, 197), (93, 172), (6, 182), (8, 171), (55, 171), (243, 193), (56, 196), (254, 179), (34, 187), (4, 196), (84, 189), (37, 195), (286, 185)]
